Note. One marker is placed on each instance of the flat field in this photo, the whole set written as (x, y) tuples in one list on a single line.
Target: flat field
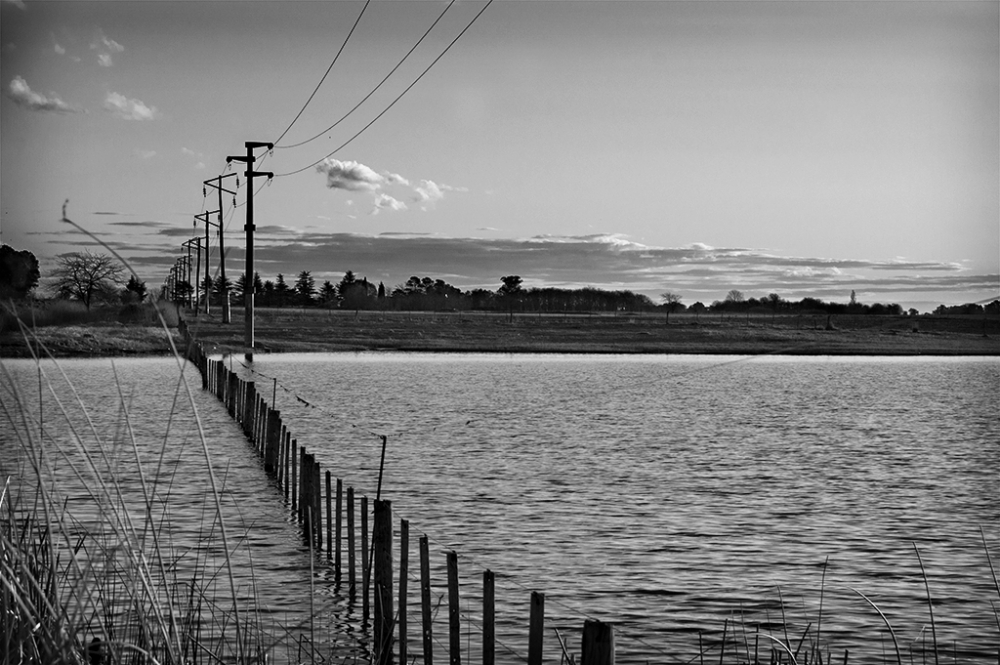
[(298, 330), (317, 330)]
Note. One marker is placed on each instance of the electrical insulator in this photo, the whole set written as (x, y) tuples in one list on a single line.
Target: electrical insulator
[(204, 193), (237, 182)]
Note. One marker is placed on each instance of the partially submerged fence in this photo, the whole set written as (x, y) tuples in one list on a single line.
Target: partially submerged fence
[(329, 514)]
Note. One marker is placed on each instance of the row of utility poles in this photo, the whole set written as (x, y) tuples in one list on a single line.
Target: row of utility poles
[(180, 273)]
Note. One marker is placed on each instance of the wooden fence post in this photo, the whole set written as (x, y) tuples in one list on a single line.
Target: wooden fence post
[(425, 601), (271, 443), (338, 525), (351, 565), (365, 563), (382, 563), (489, 619), (317, 503), (536, 628), (404, 570), (294, 486), (454, 609), (289, 477), (329, 516), (598, 646)]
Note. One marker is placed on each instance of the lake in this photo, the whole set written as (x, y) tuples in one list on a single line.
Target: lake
[(664, 494)]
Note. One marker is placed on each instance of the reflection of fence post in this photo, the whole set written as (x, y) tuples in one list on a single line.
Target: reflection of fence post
[(404, 570), (489, 616), (425, 601), (454, 624), (382, 545), (598, 644), (536, 628)]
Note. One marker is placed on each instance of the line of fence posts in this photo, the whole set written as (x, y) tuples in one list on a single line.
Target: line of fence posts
[(299, 479)]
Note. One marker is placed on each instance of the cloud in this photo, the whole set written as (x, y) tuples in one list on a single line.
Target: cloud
[(352, 176), (145, 154), (129, 109), (427, 192), (106, 47), (59, 49), (24, 96), (17, 3), (383, 200)]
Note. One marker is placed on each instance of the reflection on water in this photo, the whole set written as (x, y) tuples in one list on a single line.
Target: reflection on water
[(664, 494)]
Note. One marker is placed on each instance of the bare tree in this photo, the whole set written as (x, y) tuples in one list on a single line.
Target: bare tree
[(85, 277), (735, 296), (671, 300)]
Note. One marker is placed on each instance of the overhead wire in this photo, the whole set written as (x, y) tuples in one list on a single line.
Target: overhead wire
[(376, 88), (394, 101), (325, 74)]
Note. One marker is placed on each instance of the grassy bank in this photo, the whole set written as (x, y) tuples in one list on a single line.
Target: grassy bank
[(114, 332), (290, 330)]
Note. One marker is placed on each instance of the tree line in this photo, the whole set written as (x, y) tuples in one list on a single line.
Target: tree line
[(97, 278)]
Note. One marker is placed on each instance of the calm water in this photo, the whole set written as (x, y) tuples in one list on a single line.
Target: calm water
[(664, 494)]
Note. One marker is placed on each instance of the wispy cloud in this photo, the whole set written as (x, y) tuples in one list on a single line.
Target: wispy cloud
[(145, 154), (17, 3), (129, 109), (22, 95), (106, 48)]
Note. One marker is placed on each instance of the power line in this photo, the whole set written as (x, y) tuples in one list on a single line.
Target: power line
[(335, 58), (393, 103), (375, 89)]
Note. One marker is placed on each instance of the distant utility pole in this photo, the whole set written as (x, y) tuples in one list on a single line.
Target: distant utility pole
[(216, 182), (196, 241), (249, 228), (203, 217)]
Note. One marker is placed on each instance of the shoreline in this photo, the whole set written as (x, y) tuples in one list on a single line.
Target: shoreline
[(336, 331)]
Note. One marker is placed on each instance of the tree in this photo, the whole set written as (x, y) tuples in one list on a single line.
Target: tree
[(18, 272), (281, 289), (328, 293), (305, 288), (510, 289), (183, 290), (135, 288), (222, 287), (87, 277), (735, 296), (671, 300)]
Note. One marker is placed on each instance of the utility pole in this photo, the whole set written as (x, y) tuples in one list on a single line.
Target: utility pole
[(249, 228), (196, 241), (187, 265), (217, 184), (203, 217)]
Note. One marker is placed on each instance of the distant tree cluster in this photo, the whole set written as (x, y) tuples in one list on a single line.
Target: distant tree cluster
[(969, 309)]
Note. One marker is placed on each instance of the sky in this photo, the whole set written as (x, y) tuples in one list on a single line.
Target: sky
[(808, 149)]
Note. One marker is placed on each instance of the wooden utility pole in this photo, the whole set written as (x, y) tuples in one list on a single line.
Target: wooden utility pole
[(203, 217), (216, 182), (197, 271), (249, 228)]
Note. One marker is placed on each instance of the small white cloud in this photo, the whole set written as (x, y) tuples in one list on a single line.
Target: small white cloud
[(129, 109), (350, 175), (385, 201), (395, 179), (145, 154), (24, 96), (59, 49), (106, 47), (200, 166), (428, 192), (104, 60), (188, 151), (17, 3)]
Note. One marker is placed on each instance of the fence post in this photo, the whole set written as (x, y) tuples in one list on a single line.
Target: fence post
[(536, 628), (404, 570), (351, 565), (425, 601), (454, 624), (289, 478), (271, 442), (338, 525), (317, 486), (598, 646), (489, 618), (329, 516), (382, 545), (294, 486), (366, 572)]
